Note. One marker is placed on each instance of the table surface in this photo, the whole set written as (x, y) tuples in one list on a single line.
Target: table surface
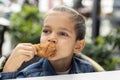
[(108, 75)]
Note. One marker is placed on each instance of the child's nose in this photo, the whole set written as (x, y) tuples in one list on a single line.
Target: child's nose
[(53, 40)]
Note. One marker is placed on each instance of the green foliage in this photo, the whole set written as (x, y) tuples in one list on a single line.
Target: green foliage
[(104, 49), (25, 26), (114, 38)]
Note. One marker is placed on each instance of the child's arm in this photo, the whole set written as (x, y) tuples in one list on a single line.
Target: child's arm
[(22, 53)]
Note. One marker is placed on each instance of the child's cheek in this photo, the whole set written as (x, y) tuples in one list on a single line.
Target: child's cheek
[(43, 39)]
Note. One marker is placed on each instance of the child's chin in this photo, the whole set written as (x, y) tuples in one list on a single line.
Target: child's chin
[(52, 58)]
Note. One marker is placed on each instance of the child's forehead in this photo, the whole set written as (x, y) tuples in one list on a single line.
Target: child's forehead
[(57, 15), (57, 19)]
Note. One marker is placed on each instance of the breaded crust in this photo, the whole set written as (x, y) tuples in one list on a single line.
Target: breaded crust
[(45, 50)]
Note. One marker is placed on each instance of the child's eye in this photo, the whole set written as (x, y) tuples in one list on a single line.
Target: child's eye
[(63, 34), (46, 31)]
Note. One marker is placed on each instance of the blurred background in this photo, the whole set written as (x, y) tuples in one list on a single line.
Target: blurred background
[(21, 21)]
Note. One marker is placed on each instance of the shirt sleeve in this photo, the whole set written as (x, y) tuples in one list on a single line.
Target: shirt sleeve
[(7, 75)]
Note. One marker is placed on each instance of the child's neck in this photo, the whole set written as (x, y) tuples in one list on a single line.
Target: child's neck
[(61, 65)]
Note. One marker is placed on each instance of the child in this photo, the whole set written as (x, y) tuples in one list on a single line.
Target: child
[(66, 28)]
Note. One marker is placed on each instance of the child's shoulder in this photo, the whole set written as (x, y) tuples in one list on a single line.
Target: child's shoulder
[(81, 61), (82, 65)]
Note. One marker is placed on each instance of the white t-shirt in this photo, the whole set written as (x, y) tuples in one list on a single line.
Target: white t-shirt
[(66, 72)]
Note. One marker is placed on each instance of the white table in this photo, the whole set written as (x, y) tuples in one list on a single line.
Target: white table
[(109, 75)]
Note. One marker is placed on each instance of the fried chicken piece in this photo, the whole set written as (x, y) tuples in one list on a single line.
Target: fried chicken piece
[(45, 50)]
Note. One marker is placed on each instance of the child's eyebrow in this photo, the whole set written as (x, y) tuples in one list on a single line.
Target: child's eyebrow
[(47, 26)]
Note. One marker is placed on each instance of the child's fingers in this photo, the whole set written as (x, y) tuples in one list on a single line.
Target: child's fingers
[(35, 52), (27, 58), (20, 45), (27, 47), (26, 44), (30, 54)]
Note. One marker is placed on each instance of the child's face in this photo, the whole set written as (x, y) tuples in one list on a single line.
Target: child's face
[(58, 28)]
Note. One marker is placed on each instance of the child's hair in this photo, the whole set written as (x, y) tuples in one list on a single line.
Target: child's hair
[(79, 20)]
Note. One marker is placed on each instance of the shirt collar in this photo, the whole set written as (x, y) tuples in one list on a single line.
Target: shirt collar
[(47, 68), (75, 66)]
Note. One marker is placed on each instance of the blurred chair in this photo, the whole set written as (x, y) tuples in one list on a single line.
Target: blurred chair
[(96, 66), (4, 23)]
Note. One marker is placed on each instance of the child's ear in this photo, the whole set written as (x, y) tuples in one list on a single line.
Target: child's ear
[(80, 44)]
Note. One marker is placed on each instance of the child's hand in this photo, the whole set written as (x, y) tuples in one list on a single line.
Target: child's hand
[(22, 53)]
